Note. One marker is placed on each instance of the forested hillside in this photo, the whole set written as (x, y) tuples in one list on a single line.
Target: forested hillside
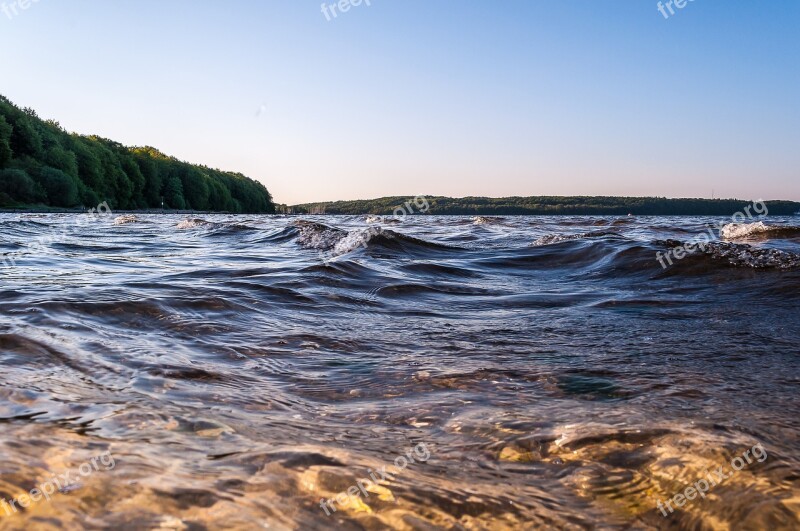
[(552, 205), (42, 164)]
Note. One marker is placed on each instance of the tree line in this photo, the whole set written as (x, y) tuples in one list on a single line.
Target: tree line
[(42, 164), (551, 205)]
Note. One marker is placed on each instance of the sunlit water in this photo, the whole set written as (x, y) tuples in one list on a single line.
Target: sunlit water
[(547, 372)]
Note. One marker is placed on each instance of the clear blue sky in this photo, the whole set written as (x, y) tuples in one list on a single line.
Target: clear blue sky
[(404, 97)]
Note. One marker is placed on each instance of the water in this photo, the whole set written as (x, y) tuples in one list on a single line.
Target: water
[(542, 372)]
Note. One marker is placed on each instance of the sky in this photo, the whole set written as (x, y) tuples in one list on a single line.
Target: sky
[(429, 97)]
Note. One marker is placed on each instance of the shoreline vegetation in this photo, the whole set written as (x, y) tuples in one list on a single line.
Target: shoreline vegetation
[(547, 206), (43, 166), (484, 206)]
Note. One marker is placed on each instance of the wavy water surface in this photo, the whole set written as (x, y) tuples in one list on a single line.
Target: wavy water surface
[(548, 371)]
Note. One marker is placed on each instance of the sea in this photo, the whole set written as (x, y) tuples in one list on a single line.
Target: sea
[(366, 372)]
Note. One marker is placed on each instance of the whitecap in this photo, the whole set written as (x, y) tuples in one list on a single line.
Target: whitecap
[(124, 220), (733, 231), (193, 223)]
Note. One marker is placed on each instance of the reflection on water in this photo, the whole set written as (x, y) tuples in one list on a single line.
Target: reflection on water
[(243, 370)]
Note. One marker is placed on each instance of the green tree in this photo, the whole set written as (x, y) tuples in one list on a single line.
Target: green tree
[(24, 138), (5, 142), (89, 168), (173, 193), (195, 188), (151, 190), (63, 169), (19, 186), (219, 196), (136, 178), (61, 189), (61, 159)]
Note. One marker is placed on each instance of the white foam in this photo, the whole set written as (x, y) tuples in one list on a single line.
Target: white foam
[(734, 231), (124, 220), (550, 239), (557, 238), (193, 223), (318, 236), (742, 255), (354, 240)]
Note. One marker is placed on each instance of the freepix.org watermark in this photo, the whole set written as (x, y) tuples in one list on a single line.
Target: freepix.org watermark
[(419, 454), (668, 8), (679, 253), (342, 6), (39, 245), (57, 484), (14, 8), (701, 487), (418, 205)]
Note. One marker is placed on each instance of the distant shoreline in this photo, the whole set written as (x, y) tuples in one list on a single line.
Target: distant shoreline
[(486, 206), (548, 206), (46, 210)]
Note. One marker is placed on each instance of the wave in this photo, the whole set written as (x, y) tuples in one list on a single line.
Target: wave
[(278, 236), (742, 255), (215, 229), (124, 220), (739, 255), (387, 239), (610, 255), (624, 221), (370, 219), (556, 238), (338, 242), (229, 229), (318, 236), (736, 231), (434, 270), (486, 220), (572, 255), (193, 223), (24, 222)]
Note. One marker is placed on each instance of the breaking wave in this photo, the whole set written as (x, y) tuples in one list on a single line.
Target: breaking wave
[(338, 242), (126, 219), (739, 231), (742, 255), (739, 254), (194, 223), (550, 239), (486, 220)]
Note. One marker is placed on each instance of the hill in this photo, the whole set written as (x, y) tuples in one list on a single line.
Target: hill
[(42, 164), (551, 205)]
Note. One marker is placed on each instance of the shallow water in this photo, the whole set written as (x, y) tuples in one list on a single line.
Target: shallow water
[(542, 372)]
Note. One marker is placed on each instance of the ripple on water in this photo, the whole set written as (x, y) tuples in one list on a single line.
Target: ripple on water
[(242, 368)]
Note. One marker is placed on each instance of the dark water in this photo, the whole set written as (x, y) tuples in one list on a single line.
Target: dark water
[(547, 371)]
